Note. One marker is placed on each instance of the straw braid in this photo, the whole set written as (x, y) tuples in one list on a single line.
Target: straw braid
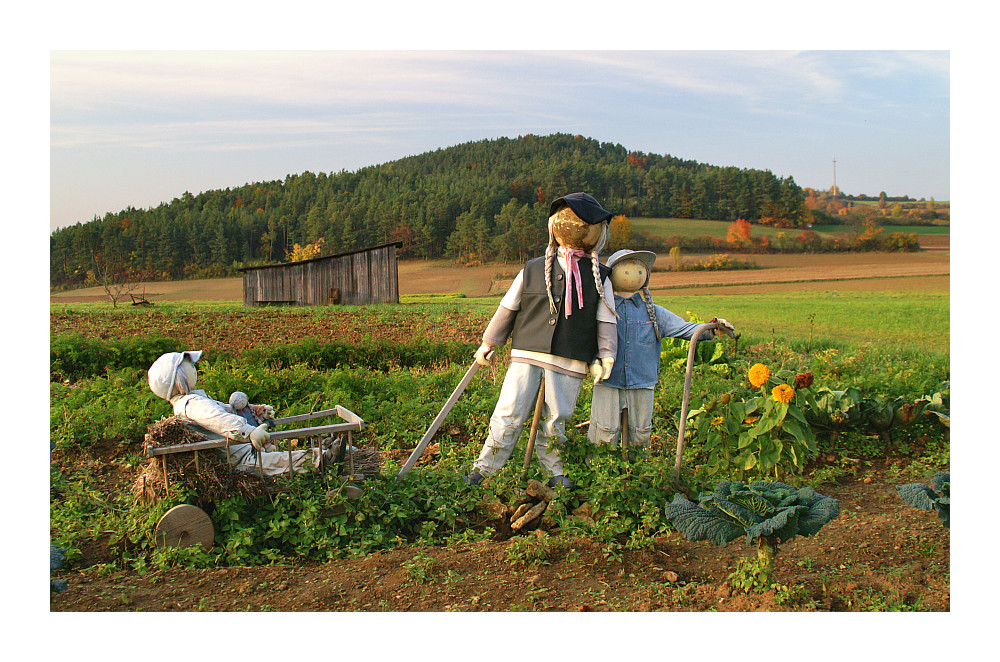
[(550, 252), (648, 298), (594, 263)]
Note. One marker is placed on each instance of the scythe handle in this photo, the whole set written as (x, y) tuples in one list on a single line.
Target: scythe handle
[(687, 394), (439, 419)]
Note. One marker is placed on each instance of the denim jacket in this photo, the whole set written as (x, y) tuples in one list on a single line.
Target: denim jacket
[(637, 364)]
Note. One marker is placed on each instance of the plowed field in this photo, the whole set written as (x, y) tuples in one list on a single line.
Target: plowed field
[(848, 271)]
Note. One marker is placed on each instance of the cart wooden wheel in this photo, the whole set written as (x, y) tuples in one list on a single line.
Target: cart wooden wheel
[(184, 526)]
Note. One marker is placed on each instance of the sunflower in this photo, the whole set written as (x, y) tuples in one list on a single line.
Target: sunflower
[(758, 374), (751, 419), (718, 420), (803, 380), (783, 393)]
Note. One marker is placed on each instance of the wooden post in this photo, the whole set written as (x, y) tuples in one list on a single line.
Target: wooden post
[(350, 451), (624, 428), (166, 486)]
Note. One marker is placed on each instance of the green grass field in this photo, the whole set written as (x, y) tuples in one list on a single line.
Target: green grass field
[(692, 227), (688, 227), (908, 322)]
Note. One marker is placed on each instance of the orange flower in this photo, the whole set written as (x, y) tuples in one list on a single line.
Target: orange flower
[(758, 374), (783, 393), (751, 419)]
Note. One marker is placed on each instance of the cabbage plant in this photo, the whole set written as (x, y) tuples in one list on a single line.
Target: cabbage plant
[(883, 416), (835, 411), (936, 498), (768, 514)]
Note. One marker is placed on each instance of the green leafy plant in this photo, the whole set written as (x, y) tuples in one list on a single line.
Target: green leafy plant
[(765, 434), (835, 411), (752, 574), (936, 498), (768, 514), (530, 550), (885, 415), (674, 353), (420, 568)]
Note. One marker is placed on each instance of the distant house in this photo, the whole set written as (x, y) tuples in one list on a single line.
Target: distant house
[(368, 275)]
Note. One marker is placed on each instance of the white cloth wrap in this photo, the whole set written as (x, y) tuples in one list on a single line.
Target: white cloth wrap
[(218, 417)]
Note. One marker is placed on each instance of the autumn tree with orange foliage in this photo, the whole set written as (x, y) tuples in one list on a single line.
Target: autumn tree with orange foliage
[(739, 232)]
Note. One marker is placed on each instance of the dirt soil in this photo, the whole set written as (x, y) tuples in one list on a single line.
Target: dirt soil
[(237, 330), (878, 554)]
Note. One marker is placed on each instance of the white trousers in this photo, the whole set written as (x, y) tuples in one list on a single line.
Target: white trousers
[(516, 405), (274, 462)]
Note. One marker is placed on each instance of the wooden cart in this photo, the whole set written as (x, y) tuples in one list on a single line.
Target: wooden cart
[(185, 524)]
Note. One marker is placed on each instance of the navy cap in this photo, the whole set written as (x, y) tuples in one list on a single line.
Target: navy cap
[(586, 207)]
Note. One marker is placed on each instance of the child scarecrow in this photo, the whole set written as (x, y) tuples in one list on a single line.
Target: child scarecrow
[(641, 327), (560, 317), (173, 377)]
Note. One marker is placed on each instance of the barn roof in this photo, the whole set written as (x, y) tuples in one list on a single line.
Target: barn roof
[(397, 244)]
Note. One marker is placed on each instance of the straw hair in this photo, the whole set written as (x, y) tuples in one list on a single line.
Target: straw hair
[(648, 298)]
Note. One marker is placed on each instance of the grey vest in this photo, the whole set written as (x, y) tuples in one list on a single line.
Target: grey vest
[(538, 330)]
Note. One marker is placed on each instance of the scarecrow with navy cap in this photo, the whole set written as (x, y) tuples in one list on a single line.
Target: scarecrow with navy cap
[(559, 314), (173, 377), (641, 327)]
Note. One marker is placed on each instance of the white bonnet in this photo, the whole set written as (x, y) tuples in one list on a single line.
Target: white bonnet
[(163, 372)]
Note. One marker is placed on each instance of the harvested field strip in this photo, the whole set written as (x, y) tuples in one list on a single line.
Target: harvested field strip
[(902, 284), (670, 280), (419, 277)]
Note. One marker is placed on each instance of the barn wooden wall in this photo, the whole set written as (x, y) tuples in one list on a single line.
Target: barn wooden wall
[(360, 277)]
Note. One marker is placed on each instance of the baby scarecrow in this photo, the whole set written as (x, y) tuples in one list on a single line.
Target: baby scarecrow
[(560, 317), (641, 327)]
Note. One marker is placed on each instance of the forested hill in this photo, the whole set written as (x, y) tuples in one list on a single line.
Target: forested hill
[(487, 198)]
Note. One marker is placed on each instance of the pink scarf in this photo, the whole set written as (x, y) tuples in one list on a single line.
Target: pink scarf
[(572, 256)]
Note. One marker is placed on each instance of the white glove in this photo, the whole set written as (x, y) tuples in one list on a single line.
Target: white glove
[(483, 354), (259, 436), (601, 369), (727, 328)]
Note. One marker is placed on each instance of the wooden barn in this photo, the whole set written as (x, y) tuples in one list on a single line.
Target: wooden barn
[(368, 275)]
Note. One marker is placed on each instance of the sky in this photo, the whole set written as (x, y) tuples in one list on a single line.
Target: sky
[(140, 127)]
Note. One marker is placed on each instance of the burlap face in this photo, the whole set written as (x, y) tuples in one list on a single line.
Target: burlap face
[(571, 232)]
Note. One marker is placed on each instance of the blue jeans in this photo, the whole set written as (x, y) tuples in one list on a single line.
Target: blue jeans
[(516, 405), (606, 415)]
